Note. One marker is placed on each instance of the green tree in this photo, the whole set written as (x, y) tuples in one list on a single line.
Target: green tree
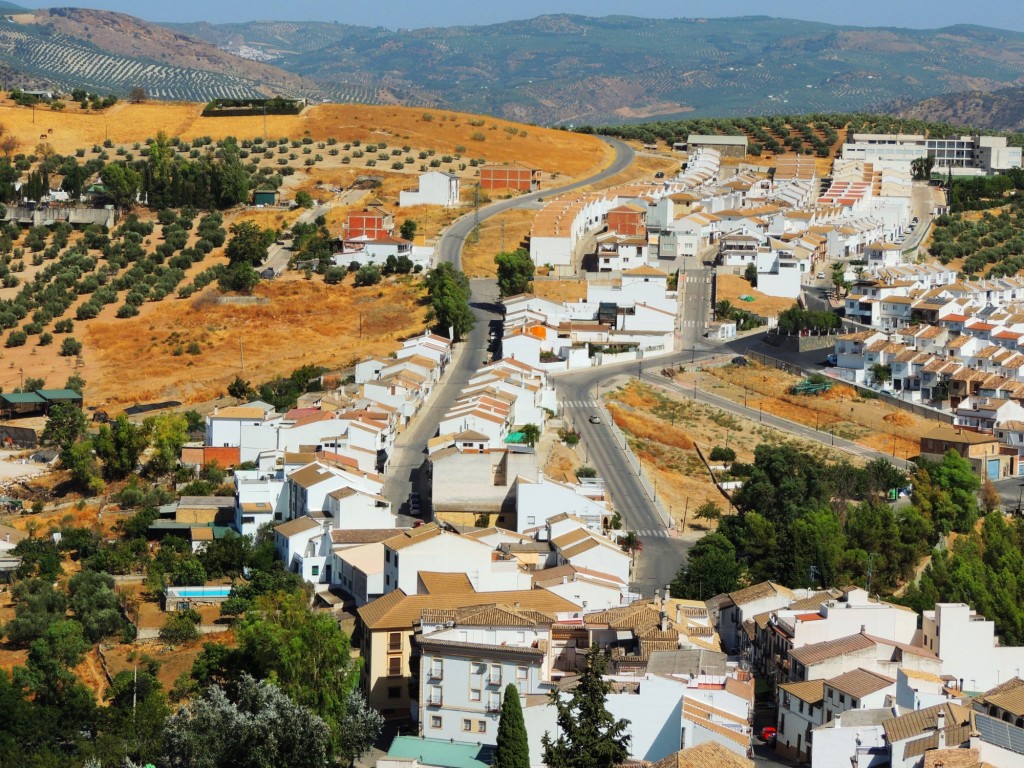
[(588, 735), (248, 244), (531, 433), (947, 492), (75, 383), (449, 293), (180, 627), (70, 347), (80, 461), (94, 604), (189, 572), (708, 511), (515, 272), (711, 568), (65, 425), (750, 274), (512, 749), (266, 728), (408, 229), (123, 184), (119, 446), (137, 712), (167, 432), (240, 389), (368, 274), (303, 199), (37, 605)]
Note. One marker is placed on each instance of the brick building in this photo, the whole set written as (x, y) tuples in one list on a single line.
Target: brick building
[(373, 223), (514, 176), (627, 220)]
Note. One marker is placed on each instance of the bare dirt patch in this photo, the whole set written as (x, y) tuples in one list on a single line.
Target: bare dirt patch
[(731, 287)]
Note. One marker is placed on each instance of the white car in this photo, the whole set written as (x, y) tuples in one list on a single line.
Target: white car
[(821, 275)]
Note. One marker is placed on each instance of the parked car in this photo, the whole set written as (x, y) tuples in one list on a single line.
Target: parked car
[(739, 360), (832, 360), (769, 735), (659, 175), (595, 419), (821, 275)]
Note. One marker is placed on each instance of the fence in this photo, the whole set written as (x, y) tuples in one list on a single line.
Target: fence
[(636, 466), (866, 392)]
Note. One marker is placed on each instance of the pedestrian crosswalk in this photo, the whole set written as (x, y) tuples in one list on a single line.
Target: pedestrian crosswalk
[(577, 404), (652, 533)]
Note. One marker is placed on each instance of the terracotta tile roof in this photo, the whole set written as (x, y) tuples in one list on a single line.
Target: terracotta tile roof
[(239, 412), (860, 682), (1008, 696), (435, 582), (296, 526), (490, 615), (362, 535), (309, 476), (815, 653), (923, 720), (955, 736), (644, 272), (953, 757), (759, 591), (411, 536), (396, 610), (810, 691), (586, 546), (573, 536)]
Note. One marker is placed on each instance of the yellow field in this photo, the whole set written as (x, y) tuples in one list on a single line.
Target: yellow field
[(731, 287), (567, 154)]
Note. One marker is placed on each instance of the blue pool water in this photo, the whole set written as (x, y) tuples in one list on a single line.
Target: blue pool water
[(201, 591)]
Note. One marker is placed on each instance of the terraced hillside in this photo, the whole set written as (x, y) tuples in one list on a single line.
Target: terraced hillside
[(107, 52), (564, 69), (1001, 110)]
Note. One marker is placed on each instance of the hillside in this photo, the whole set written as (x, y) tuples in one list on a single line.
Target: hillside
[(1001, 110), (112, 52), (563, 69)]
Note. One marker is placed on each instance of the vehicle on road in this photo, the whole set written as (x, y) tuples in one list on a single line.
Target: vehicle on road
[(832, 360), (821, 275), (659, 175), (595, 419), (769, 735), (739, 360)]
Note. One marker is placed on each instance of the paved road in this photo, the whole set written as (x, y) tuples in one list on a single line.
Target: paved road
[(409, 453), (694, 307), (449, 248), (410, 447), (278, 255)]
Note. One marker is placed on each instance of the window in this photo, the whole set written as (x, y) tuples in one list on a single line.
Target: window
[(801, 708), (395, 666), (314, 570), (435, 721), (467, 725), (522, 673), (394, 691), (842, 698), (474, 694), (481, 726), (394, 641)]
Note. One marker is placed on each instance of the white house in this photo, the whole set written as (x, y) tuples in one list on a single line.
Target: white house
[(855, 738), (968, 646), (434, 188)]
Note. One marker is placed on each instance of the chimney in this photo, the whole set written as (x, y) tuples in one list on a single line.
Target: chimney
[(657, 598), (664, 622), (679, 614), (863, 629), (941, 728), (668, 591)]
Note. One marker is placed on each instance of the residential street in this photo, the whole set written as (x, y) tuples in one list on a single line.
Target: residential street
[(410, 448)]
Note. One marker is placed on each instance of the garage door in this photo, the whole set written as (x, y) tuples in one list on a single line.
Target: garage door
[(993, 469)]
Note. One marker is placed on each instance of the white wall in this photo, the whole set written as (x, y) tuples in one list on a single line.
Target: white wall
[(655, 715), (968, 648), (834, 747)]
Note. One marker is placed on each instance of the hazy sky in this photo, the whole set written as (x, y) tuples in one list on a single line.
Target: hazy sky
[(921, 14)]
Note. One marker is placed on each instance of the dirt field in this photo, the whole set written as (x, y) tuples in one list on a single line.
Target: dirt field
[(731, 287), (867, 422), (664, 431), (560, 290), (560, 153), (511, 227)]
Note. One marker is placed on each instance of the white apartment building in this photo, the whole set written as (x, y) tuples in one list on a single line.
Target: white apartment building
[(968, 647), (433, 188)]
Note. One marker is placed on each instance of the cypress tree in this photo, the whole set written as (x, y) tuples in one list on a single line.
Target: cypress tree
[(588, 735), (513, 750)]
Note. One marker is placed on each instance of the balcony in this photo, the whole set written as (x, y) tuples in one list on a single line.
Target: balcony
[(494, 706), (435, 699), (494, 678), (436, 673)]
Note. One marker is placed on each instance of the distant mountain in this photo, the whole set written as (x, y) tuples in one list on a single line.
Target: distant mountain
[(105, 52), (573, 69), (1001, 110)]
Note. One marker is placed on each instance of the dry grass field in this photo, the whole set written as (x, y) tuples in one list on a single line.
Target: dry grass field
[(731, 287), (841, 410), (302, 323), (665, 430), (511, 228), (140, 359)]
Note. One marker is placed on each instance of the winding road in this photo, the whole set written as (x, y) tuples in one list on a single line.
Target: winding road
[(405, 474)]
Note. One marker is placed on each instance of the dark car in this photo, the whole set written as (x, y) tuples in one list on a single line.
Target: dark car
[(659, 175), (739, 360)]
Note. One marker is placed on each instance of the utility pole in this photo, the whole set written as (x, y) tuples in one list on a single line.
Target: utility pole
[(241, 356), (502, 249)]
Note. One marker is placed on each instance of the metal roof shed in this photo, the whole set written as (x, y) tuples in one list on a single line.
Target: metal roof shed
[(54, 396), (21, 403)]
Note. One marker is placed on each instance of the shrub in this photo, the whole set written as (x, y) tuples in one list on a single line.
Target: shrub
[(16, 339), (181, 627), (718, 453), (45, 339), (70, 347)]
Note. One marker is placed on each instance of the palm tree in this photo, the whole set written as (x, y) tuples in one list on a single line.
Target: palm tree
[(723, 309)]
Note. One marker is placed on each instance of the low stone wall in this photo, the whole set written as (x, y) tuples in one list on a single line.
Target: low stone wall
[(800, 343)]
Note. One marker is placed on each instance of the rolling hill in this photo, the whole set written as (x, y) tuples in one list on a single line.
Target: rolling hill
[(1001, 110), (562, 69), (105, 52)]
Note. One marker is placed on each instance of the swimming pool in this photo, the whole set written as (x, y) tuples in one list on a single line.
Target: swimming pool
[(198, 592)]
